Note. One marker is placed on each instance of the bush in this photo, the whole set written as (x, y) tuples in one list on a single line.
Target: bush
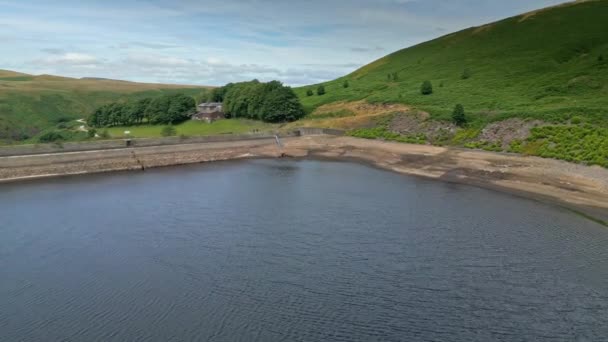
[(577, 120), (104, 134), (321, 90), (92, 132), (600, 58), (51, 136), (466, 74), (309, 92), (579, 144), (426, 88), (458, 116), (345, 85), (168, 131), (384, 134)]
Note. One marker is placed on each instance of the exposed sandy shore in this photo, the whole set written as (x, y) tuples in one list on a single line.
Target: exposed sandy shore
[(579, 187)]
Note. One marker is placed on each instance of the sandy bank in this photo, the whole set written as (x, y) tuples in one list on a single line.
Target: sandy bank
[(572, 185)]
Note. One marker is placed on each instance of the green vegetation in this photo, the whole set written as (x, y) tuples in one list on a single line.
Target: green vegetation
[(165, 109), (384, 134), (269, 102), (579, 144), (345, 84), (31, 105), (549, 65), (458, 116), (321, 90), (542, 65), (466, 74), (193, 128), (309, 92), (426, 88), (168, 131)]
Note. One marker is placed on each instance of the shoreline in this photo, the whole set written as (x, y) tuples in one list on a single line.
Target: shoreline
[(578, 188)]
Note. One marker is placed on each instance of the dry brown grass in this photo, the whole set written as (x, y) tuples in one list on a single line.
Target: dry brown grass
[(363, 115)]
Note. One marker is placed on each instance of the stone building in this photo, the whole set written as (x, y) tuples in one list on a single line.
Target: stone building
[(209, 112)]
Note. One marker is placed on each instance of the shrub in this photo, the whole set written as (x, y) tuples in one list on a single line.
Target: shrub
[(345, 85), (458, 115), (309, 92), (395, 76), (600, 58), (51, 136), (426, 88), (104, 134), (321, 90), (92, 132), (577, 120), (168, 131), (466, 74)]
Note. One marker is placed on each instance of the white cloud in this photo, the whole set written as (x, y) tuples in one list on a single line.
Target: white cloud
[(69, 58), (205, 42)]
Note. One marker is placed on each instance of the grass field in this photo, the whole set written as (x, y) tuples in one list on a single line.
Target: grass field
[(550, 64), (31, 104), (195, 128)]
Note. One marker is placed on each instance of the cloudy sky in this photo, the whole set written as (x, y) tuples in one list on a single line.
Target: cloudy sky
[(215, 42)]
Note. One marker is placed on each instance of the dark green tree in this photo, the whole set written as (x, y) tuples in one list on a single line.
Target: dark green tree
[(91, 132), (426, 88), (346, 84), (321, 90), (395, 76), (309, 92), (458, 116), (466, 74), (600, 58)]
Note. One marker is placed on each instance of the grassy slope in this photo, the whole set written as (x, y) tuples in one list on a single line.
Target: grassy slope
[(30, 104), (543, 64), (194, 128)]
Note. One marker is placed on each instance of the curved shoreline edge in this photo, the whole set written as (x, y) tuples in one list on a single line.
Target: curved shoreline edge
[(581, 189)]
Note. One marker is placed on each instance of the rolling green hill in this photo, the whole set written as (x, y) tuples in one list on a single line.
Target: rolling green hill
[(546, 71), (30, 104), (541, 63)]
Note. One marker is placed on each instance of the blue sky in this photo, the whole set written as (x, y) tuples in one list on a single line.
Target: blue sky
[(215, 42)]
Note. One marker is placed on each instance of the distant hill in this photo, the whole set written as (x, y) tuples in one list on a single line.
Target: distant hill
[(30, 104), (548, 64)]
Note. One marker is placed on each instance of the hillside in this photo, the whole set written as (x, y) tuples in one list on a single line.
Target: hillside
[(30, 104), (545, 62), (550, 65)]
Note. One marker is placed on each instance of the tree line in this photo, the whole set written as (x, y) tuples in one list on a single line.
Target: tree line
[(270, 102), (166, 109)]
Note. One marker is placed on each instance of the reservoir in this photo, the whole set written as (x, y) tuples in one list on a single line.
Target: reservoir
[(287, 250)]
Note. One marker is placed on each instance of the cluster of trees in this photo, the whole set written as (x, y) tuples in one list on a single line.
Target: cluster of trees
[(166, 109), (270, 102)]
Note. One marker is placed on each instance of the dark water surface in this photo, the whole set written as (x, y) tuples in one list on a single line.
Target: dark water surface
[(271, 250)]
